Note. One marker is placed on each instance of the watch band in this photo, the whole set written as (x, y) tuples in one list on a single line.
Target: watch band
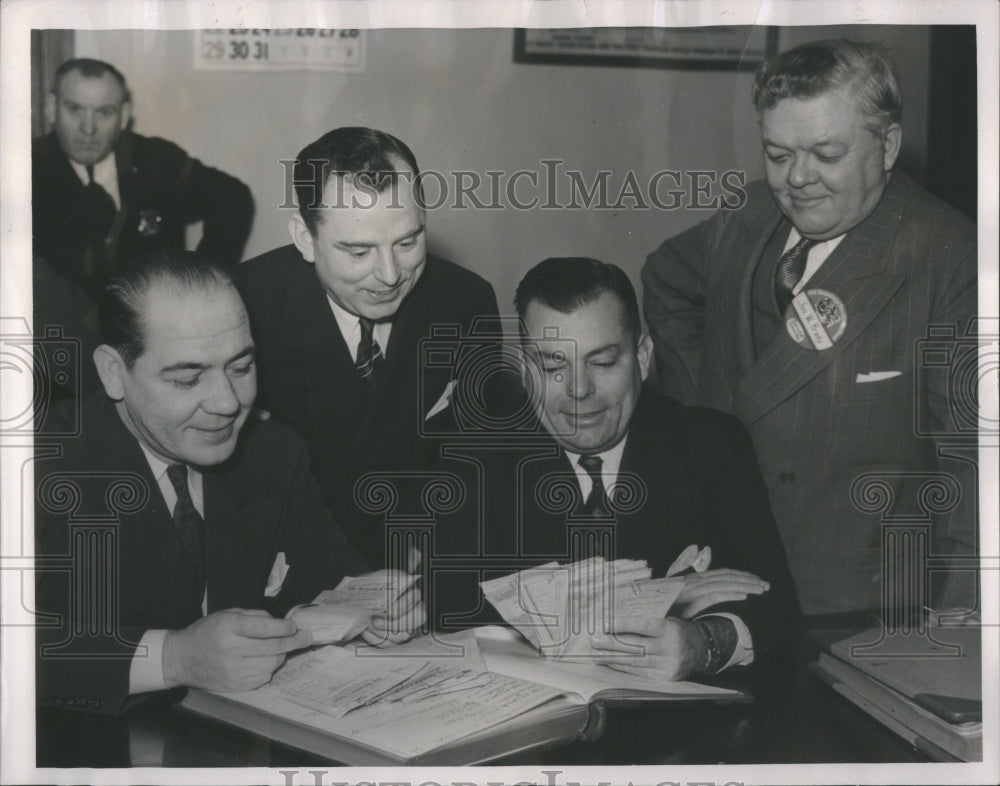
[(713, 660)]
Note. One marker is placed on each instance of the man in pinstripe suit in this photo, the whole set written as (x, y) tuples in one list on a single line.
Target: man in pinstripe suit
[(802, 312)]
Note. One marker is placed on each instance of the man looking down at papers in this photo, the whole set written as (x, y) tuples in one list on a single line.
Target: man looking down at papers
[(653, 478), (173, 524)]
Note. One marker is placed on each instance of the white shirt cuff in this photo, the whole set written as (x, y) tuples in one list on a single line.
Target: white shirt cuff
[(146, 670), (743, 653)]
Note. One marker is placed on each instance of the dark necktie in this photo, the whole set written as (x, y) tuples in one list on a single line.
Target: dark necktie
[(597, 501), (98, 190), (369, 354), (791, 266), (189, 523)]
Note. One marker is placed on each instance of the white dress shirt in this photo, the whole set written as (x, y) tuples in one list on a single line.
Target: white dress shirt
[(105, 175), (817, 256), (611, 462), (350, 329)]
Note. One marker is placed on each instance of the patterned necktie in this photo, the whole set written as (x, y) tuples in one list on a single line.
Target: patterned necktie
[(791, 266), (369, 354), (189, 523), (596, 505)]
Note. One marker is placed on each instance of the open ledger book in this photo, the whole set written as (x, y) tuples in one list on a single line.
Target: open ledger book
[(464, 698)]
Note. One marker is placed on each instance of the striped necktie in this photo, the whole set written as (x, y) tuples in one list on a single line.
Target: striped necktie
[(791, 266), (369, 354)]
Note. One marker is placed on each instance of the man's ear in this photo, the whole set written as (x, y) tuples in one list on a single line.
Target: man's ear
[(644, 351), (126, 117), (111, 369), (50, 108), (892, 144), (302, 237), (527, 369)]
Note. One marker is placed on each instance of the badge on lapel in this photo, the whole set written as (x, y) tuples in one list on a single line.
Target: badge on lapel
[(816, 319), (150, 222)]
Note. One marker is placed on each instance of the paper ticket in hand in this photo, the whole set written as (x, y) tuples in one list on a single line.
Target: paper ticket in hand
[(373, 591), (342, 613), (330, 623)]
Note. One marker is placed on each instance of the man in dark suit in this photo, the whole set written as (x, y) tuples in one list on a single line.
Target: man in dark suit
[(101, 193), (343, 316), (802, 312), (623, 472), (171, 525)]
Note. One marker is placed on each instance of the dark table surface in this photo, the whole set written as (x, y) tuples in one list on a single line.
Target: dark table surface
[(793, 718)]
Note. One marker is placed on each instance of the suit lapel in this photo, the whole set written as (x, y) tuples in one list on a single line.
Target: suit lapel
[(332, 390), (734, 342), (224, 558), (858, 272), (147, 536)]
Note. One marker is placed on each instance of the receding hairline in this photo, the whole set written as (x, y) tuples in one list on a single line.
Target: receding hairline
[(171, 287), (126, 96), (348, 178), (623, 312)]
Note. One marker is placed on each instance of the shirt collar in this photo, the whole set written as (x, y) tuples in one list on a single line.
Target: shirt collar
[(157, 465), (611, 459), (346, 321), (105, 170), (348, 324)]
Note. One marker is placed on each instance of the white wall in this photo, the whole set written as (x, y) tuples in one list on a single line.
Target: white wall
[(461, 103)]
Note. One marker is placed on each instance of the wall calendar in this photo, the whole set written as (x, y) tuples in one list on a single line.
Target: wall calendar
[(287, 49)]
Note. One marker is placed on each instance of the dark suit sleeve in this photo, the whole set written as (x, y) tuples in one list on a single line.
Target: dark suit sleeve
[(951, 408), (743, 536), (76, 669), (223, 203), (675, 285), (489, 387), (315, 547)]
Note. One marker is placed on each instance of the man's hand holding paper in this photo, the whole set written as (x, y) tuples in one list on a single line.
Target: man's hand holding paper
[(385, 607), (230, 650)]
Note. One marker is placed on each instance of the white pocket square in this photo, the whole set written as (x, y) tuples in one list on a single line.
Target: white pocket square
[(442, 403), (277, 576), (877, 376)]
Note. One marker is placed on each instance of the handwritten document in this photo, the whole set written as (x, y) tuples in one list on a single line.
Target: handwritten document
[(407, 705)]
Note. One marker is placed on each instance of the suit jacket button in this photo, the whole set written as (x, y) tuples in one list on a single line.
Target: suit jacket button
[(787, 476)]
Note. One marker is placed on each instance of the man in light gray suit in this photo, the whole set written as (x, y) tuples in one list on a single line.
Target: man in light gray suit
[(803, 312)]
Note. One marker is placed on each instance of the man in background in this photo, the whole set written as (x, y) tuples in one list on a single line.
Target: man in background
[(802, 312), (101, 193), (341, 318)]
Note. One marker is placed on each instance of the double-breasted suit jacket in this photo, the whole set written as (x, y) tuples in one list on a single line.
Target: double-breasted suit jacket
[(849, 438)]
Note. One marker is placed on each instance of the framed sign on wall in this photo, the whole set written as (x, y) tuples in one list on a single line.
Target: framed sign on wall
[(696, 48)]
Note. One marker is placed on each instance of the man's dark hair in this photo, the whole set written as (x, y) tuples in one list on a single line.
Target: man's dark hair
[(567, 283), (364, 155), (123, 298), (818, 67), (92, 69)]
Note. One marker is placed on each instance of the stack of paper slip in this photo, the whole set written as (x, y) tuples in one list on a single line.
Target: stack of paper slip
[(340, 614), (559, 607)]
